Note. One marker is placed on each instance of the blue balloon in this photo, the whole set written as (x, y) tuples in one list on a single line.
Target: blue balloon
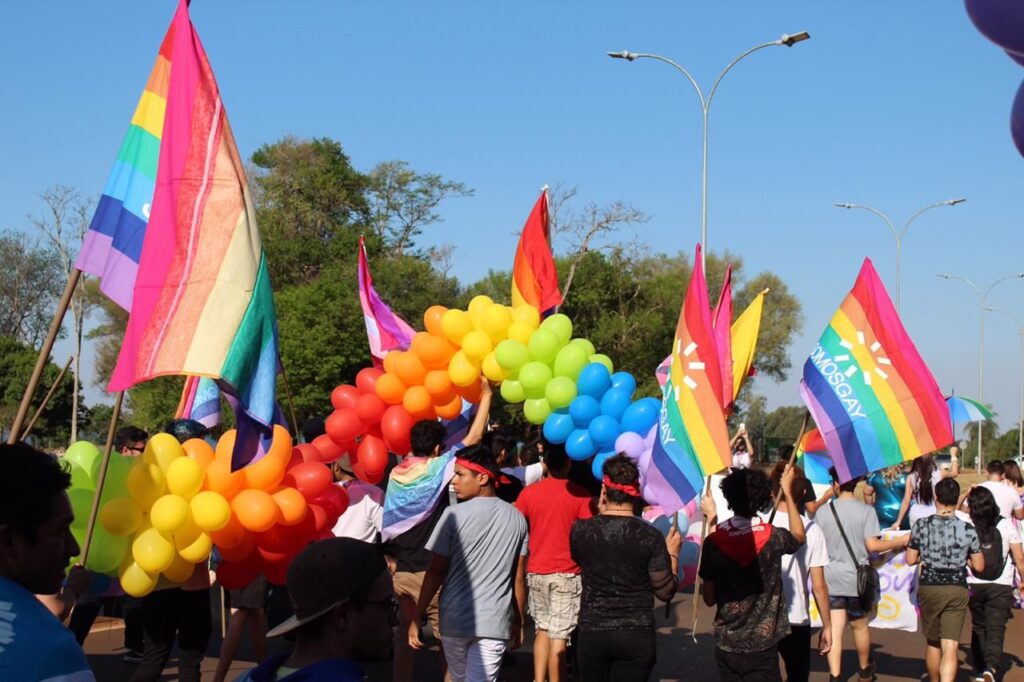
[(583, 409), (603, 432), (614, 402), (578, 446), (624, 380), (594, 380), (558, 426), (662, 523), (641, 416), (597, 466)]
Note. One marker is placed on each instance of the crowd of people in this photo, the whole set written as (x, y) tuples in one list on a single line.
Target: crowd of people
[(517, 532)]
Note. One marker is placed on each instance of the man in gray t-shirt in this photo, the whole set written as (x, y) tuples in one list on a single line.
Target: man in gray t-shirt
[(479, 549)]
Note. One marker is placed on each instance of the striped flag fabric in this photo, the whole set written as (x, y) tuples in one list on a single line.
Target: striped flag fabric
[(812, 457), (200, 401), (744, 342), (873, 398), (721, 321), (201, 302), (384, 330), (692, 440), (534, 277), (414, 490)]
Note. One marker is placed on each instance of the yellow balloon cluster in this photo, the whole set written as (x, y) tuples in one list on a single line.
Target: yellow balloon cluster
[(478, 331), (166, 516)]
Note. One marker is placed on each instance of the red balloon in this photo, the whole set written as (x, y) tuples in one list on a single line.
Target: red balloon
[(395, 426), (276, 572), (310, 478), (366, 380), (372, 460), (276, 544), (234, 575), (319, 517), (335, 500), (370, 408), (303, 452), (241, 550), (344, 396), (327, 449), (344, 425)]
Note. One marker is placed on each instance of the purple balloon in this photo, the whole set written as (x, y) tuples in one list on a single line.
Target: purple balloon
[(1001, 21), (631, 444), (1019, 58), (1017, 120)]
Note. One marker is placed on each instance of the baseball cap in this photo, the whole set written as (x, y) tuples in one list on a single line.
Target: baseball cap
[(327, 573)]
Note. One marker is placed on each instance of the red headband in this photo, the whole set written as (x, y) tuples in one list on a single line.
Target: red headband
[(629, 489), (499, 480)]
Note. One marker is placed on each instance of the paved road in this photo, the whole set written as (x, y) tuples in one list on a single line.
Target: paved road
[(898, 654)]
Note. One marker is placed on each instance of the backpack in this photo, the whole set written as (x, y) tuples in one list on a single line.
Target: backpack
[(995, 560)]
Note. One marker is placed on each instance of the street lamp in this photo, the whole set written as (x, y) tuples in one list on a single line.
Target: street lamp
[(982, 296), (1020, 380), (899, 235), (705, 105)]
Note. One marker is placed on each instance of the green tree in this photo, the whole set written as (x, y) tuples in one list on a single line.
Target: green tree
[(16, 363), (30, 282)]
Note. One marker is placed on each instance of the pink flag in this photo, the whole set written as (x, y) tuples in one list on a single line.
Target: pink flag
[(384, 330), (722, 323)]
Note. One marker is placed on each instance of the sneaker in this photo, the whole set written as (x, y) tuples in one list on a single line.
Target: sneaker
[(132, 656), (988, 676), (867, 674)]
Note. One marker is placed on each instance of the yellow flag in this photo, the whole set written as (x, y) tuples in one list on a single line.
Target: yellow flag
[(744, 341)]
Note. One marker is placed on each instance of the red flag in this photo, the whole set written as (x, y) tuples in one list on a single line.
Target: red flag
[(534, 278), (722, 322)]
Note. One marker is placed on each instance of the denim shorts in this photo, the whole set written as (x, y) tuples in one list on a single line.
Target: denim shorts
[(852, 606)]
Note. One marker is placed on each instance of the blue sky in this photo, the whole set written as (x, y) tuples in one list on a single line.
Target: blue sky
[(896, 105)]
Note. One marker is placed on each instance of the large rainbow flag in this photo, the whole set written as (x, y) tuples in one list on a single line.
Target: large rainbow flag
[(534, 278), (201, 302), (384, 330), (692, 439), (414, 490), (721, 321), (871, 395)]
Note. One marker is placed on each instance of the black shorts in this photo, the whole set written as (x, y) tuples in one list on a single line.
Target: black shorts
[(852, 606)]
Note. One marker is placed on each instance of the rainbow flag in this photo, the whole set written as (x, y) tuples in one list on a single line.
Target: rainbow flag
[(385, 330), (202, 302), (721, 321), (744, 342), (200, 401), (873, 398), (692, 440), (534, 278), (414, 489), (812, 457), (112, 246)]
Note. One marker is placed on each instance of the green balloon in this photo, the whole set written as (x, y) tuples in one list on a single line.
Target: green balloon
[(534, 376), (604, 360), (585, 345), (512, 354), (570, 361), (544, 345), (80, 478), (561, 325), (117, 475), (559, 392), (536, 410), (85, 455), (106, 551), (512, 391)]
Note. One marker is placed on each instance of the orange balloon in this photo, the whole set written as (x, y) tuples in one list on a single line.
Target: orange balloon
[(230, 536), (267, 472), (435, 352), (292, 506), (439, 385), (220, 478), (390, 388), (389, 361), (409, 369), (471, 392), (432, 319), (199, 450), (255, 509), (281, 444), (417, 402), (451, 410)]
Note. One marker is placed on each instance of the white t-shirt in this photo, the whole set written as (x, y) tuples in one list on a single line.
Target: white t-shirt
[(529, 474), (741, 459), (796, 568), (1007, 498), (1008, 530), (362, 519)]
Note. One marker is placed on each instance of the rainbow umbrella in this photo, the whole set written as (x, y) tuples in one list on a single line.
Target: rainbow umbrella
[(965, 410)]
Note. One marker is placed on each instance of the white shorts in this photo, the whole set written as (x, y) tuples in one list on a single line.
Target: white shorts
[(473, 659), (554, 602)]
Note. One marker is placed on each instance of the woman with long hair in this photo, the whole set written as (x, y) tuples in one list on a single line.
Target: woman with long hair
[(919, 490), (884, 490), (991, 600), (1012, 477)]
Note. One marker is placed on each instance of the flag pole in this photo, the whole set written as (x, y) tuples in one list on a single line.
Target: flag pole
[(101, 477), (46, 398), (789, 465), (44, 354), (288, 395), (700, 556)]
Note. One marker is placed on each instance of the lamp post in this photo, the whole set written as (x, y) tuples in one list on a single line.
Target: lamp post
[(899, 235), (1020, 379), (982, 296), (705, 105)]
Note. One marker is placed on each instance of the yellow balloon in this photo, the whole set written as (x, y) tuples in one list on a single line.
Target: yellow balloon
[(497, 318), (184, 477), (136, 581), (520, 331), (152, 551), (188, 534), (169, 514), (164, 449), (461, 371), (180, 570), (476, 345), (198, 550), (146, 483), (492, 370), (478, 308), (528, 314), (121, 516), (456, 324), (210, 510)]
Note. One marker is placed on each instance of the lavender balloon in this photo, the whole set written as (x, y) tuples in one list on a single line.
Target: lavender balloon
[(651, 435), (631, 444)]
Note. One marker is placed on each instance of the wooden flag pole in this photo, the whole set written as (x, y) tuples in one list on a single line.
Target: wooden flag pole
[(101, 477), (44, 354), (700, 556), (789, 465), (291, 403), (46, 398)]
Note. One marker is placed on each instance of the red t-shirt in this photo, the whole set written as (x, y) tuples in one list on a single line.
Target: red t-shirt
[(551, 507)]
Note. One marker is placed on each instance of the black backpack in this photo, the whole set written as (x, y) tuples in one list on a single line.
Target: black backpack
[(995, 560)]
